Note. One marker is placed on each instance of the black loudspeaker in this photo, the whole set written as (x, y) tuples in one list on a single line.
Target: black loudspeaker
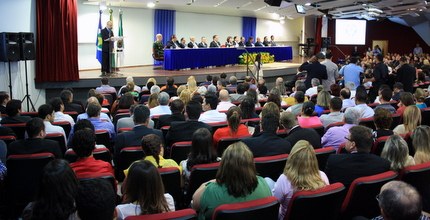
[(326, 42), (9, 47), (276, 3), (28, 51)]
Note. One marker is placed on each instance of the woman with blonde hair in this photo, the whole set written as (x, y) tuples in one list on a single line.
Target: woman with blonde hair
[(420, 97), (236, 181), (411, 119), (192, 85), (397, 153), (153, 100), (421, 142), (185, 96), (323, 102), (300, 173)]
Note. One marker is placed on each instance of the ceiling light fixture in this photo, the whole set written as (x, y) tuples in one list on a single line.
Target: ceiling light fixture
[(258, 9), (308, 4), (220, 3), (377, 10), (150, 5)]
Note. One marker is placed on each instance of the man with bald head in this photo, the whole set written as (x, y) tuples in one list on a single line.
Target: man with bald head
[(225, 102), (107, 48), (399, 200), (193, 43)]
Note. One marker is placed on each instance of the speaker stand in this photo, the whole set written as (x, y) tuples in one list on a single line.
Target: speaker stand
[(10, 82), (27, 96)]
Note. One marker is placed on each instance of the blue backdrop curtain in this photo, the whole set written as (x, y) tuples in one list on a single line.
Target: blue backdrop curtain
[(164, 23), (249, 26)]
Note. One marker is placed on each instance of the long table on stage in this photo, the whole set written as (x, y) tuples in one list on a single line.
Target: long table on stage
[(202, 57)]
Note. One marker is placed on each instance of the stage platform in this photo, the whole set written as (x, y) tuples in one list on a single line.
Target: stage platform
[(91, 78)]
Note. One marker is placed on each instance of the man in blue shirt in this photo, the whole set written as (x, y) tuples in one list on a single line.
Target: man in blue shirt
[(351, 72)]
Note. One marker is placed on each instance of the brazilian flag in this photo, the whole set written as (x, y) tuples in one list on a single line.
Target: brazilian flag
[(99, 41)]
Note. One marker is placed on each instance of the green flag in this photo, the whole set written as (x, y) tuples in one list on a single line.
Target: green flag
[(120, 43), (112, 55)]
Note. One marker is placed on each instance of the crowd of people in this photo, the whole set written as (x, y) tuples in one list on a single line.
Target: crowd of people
[(281, 120)]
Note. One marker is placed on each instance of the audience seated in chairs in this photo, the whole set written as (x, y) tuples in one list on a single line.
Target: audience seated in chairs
[(240, 93), (267, 143), (162, 108), (335, 115), (93, 112), (46, 112), (236, 181), (397, 153), (202, 152), (225, 102), (105, 87), (95, 101), (335, 136), (411, 120), (247, 106), (134, 137), (323, 102), (296, 133), (13, 109), (124, 102), (170, 87), (69, 106), (297, 108), (152, 146), (345, 95), (382, 120), (301, 161), (56, 194), (210, 113), (59, 115), (406, 99), (95, 199), (345, 168), (144, 192), (235, 128), (4, 99), (183, 130), (361, 106), (306, 119), (83, 144), (384, 99), (36, 143), (421, 143), (177, 109)]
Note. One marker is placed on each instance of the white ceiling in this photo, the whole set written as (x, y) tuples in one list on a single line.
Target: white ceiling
[(412, 12)]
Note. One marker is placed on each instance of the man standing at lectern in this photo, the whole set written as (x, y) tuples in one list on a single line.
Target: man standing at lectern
[(107, 48)]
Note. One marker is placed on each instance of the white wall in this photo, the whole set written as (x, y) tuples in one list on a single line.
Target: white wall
[(19, 16), (138, 30), (198, 25)]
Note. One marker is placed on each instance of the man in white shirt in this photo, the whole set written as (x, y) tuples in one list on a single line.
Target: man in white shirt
[(58, 106), (163, 108), (345, 95), (361, 106), (46, 112), (210, 102), (225, 102), (105, 87), (103, 116), (314, 89), (332, 71)]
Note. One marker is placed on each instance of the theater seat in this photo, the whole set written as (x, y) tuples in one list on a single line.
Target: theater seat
[(322, 155), (171, 177), (22, 181), (127, 156), (103, 137), (419, 177), (18, 129), (59, 137), (266, 208), (360, 199), (8, 139), (183, 214), (379, 144), (271, 166), (200, 174), (109, 178), (65, 125), (223, 143), (368, 122), (180, 150), (324, 203)]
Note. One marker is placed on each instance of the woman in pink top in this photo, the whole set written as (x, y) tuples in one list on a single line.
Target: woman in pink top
[(306, 119), (300, 173), (234, 129)]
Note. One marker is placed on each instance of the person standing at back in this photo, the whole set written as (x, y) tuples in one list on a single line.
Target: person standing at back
[(314, 70), (406, 75), (380, 76)]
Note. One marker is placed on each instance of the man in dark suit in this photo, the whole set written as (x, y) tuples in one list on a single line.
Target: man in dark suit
[(36, 143), (314, 69), (193, 43), (406, 75), (134, 137), (250, 42), (172, 43), (13, 108), (203, 43), (177, 108), (242, 42), (272, 41), (215, 42), (380, 77), (297, 133), (259, 43), (183, 130), (4, 99), (67, 97), (345, 168), (267, 143), (107, 48)]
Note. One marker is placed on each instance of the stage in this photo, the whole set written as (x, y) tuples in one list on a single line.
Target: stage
[(91, 78)]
